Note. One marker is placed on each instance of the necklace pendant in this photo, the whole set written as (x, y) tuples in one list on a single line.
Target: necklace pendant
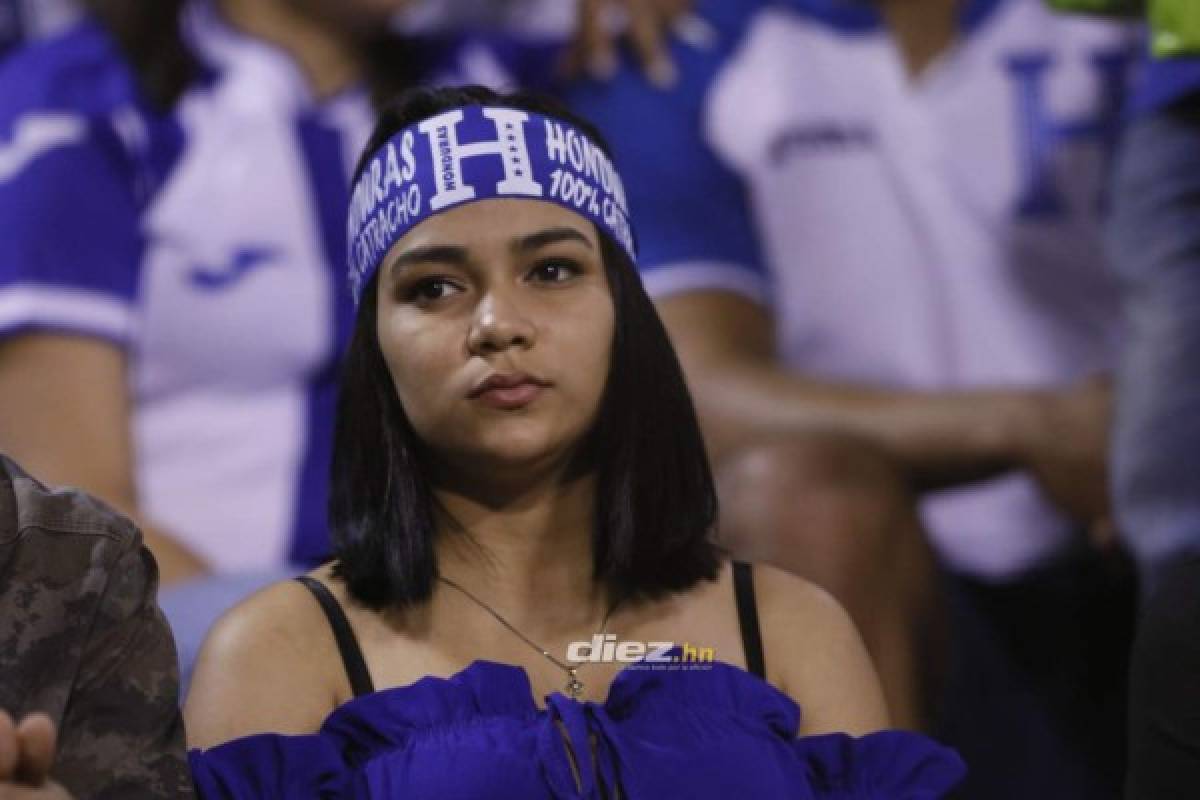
[(574, 686)]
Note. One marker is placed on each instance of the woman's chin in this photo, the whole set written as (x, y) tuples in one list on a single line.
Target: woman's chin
[(509, 457), (516, 458)]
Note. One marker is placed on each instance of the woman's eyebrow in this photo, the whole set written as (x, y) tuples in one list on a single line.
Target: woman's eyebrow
[(458, 256), (549, 236), (433, 254)]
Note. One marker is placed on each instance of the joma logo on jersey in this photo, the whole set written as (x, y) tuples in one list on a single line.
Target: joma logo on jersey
[(1041, 132), (243, 261)]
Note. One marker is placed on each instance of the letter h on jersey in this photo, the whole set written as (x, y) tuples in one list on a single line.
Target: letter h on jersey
[(1040, 133)]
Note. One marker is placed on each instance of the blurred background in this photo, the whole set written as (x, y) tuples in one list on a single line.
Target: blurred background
[(932, 268)]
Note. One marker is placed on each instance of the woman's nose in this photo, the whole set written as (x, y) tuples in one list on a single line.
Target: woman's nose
[(498, 325)]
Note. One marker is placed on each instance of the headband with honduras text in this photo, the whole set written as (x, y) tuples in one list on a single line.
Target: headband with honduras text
[(477, 153)]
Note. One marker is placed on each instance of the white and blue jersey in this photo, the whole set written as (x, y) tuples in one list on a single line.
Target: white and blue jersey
[(209, 244), (934, 234)]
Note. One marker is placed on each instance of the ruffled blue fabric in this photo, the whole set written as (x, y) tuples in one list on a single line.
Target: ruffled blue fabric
[(710, 732)]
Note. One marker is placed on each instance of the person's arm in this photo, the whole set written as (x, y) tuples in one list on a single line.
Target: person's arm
[(70, 265), (264, 668), (121, 734), (65, 414), (743, 394)]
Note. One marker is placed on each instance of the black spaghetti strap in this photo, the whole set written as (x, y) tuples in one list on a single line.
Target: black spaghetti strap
[(352, 658), (743, 588)]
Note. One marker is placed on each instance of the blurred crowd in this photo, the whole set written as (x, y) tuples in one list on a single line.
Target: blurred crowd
[(932, 268)]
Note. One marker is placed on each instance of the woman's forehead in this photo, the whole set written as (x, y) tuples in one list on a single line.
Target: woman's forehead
[(495, 223)]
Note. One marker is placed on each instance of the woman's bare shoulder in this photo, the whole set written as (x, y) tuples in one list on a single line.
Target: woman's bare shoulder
[(269, 664), (799, 601), (812, 644)]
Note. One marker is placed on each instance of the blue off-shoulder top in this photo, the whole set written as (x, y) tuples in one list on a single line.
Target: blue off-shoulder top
[(676, 730)]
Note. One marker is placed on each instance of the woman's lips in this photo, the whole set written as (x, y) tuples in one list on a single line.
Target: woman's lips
[(508, 390), (509, 398)]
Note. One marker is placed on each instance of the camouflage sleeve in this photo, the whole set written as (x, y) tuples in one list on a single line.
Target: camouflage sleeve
[(122, 732)]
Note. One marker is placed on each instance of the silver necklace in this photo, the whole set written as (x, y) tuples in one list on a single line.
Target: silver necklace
[(574, 686)]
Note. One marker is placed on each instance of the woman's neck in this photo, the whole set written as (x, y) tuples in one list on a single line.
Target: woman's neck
[(533, 563), (329, 55)]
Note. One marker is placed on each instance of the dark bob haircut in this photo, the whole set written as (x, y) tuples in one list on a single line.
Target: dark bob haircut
[(656, 505)]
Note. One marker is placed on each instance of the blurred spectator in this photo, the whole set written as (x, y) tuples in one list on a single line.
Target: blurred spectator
[(84, 652), (875, 238), (1155, 247)]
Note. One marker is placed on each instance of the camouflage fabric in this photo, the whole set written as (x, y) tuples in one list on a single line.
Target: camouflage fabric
[(82, 640)]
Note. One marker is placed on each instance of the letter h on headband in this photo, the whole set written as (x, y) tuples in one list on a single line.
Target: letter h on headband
[(509, 146)]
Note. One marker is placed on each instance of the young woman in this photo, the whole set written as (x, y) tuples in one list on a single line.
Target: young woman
[(518, 470)]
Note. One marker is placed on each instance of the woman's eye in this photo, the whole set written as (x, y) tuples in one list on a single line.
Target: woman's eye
[(555, 271), (429, 290)]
